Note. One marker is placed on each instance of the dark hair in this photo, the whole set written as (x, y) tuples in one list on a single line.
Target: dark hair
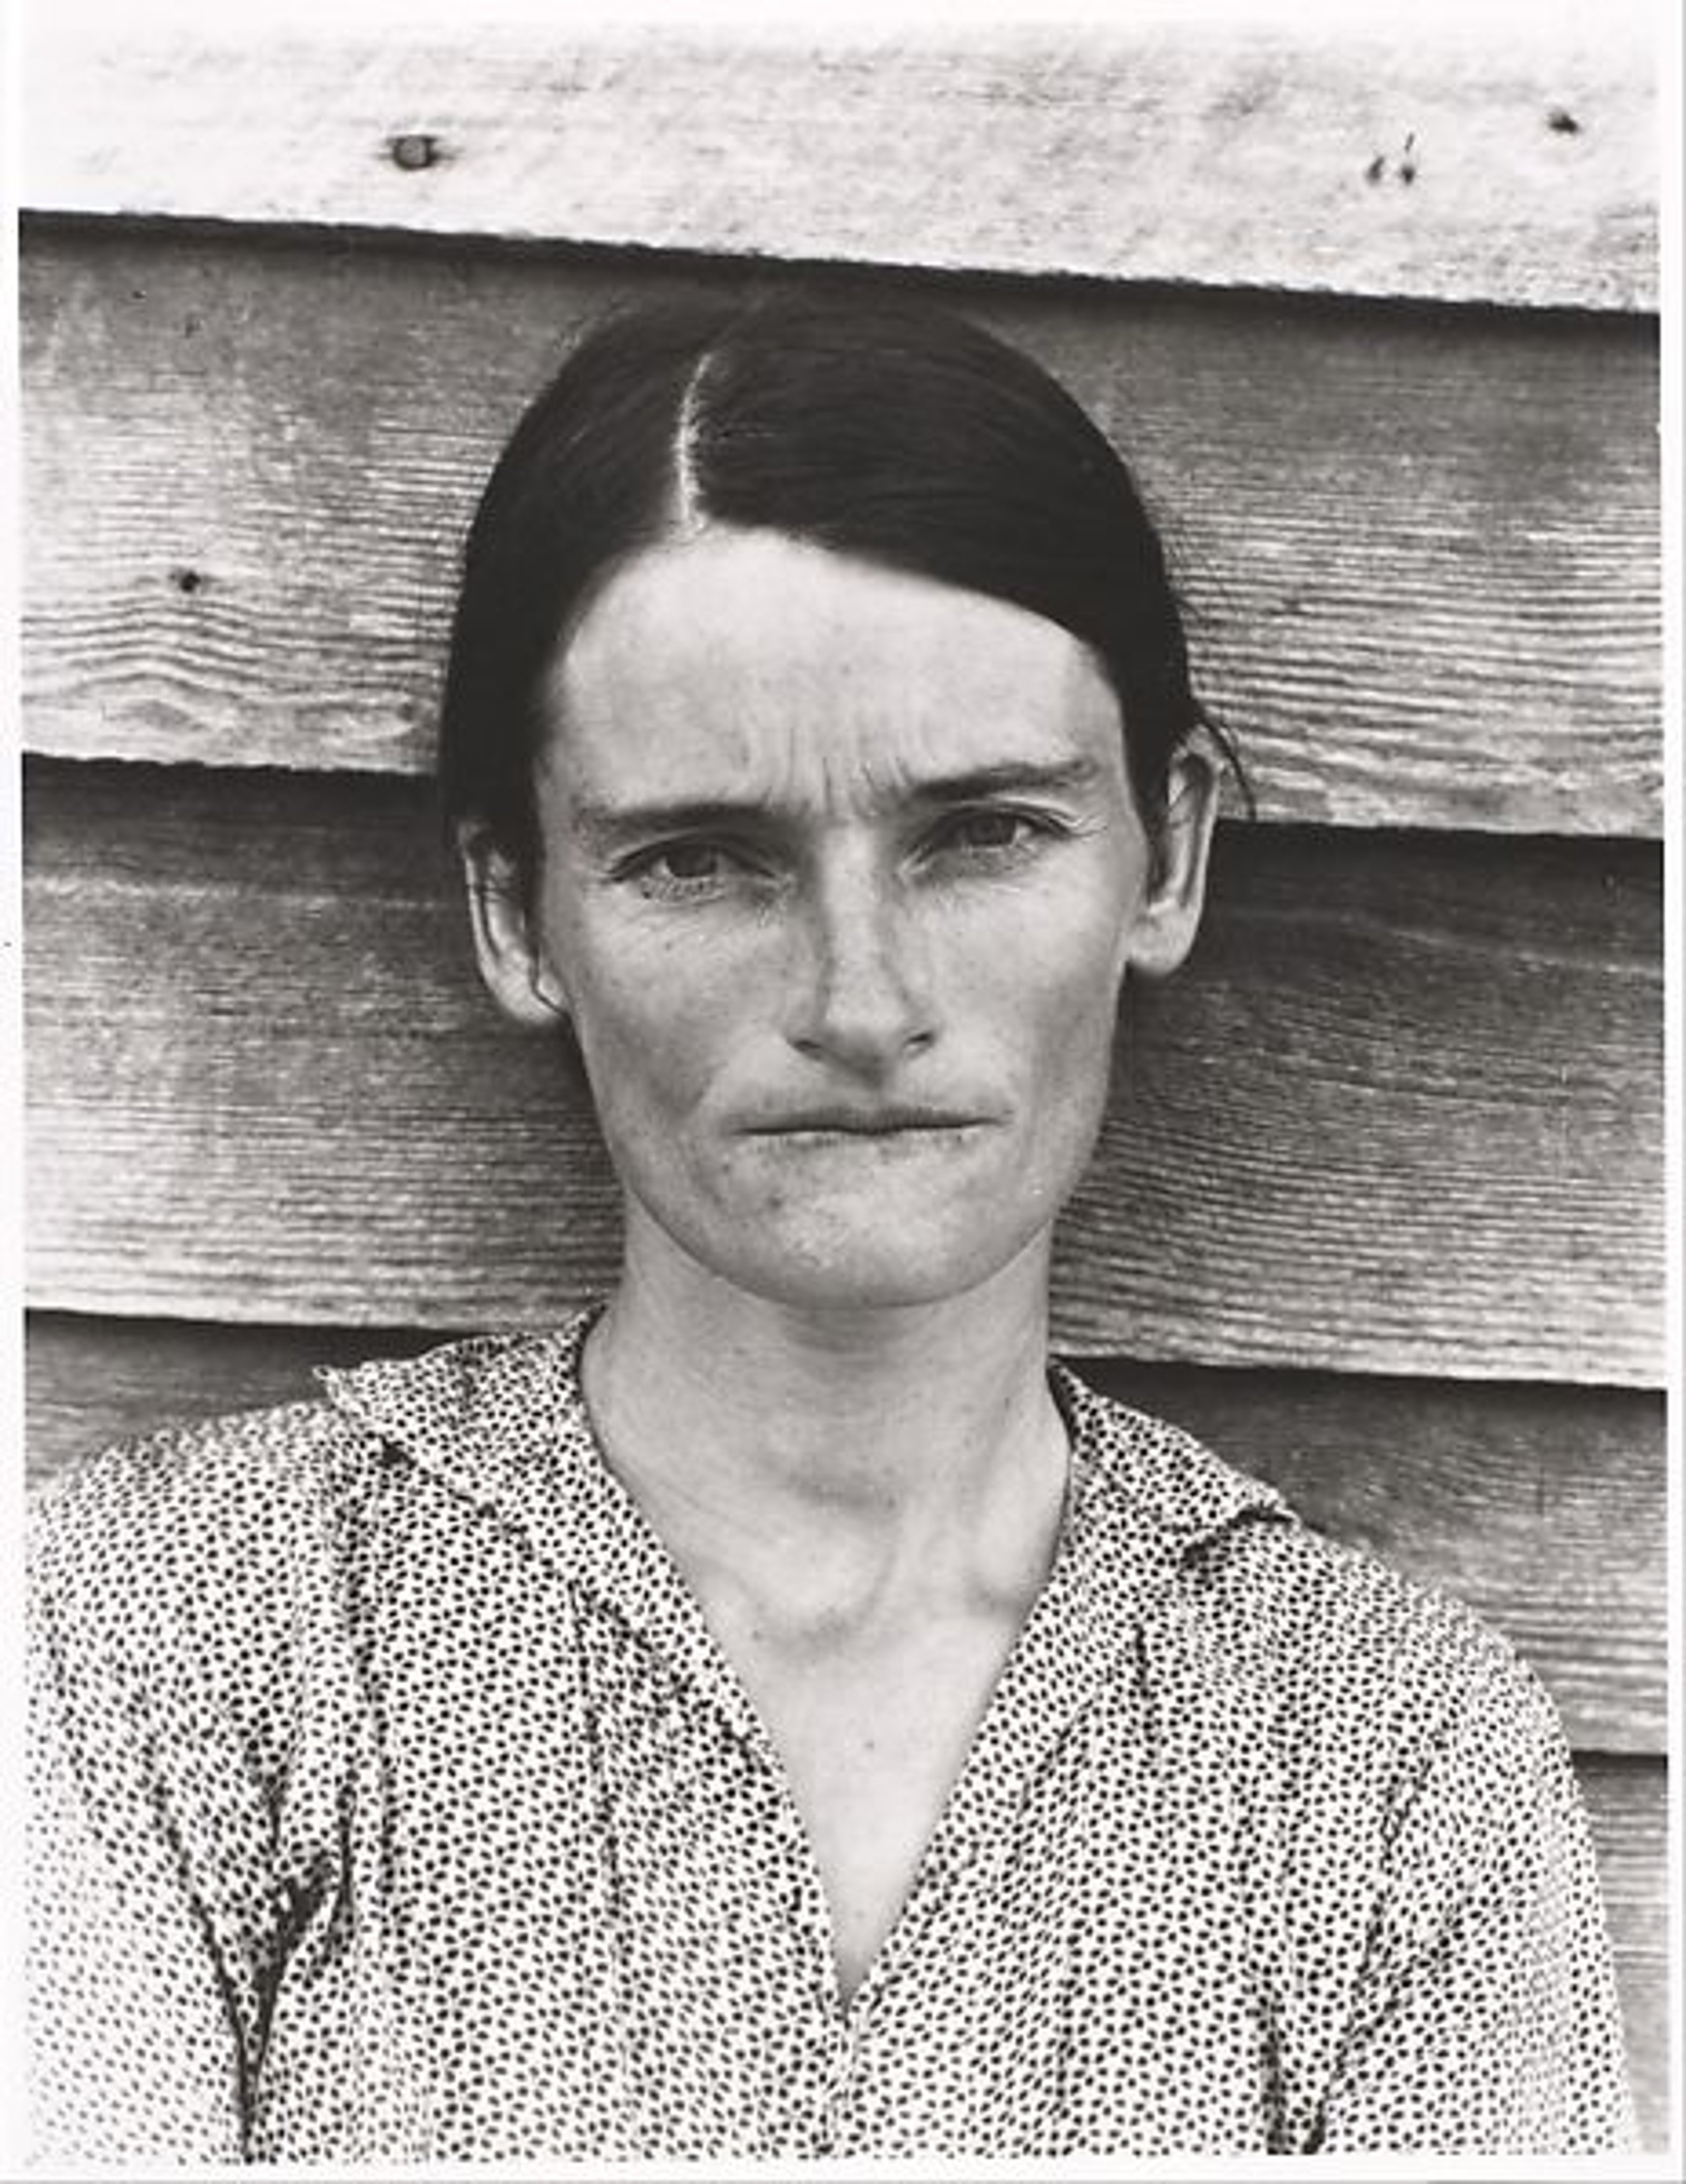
[(896, 432)]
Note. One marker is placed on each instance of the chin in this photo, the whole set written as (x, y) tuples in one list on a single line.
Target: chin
[(876, 1272), (880, 1244)]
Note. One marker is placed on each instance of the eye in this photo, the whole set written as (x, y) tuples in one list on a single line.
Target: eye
[(688, 861), (991, 834), (989, 830), (684, 870)]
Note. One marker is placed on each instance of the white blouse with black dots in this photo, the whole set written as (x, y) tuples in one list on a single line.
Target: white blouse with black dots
[(396, 1805)]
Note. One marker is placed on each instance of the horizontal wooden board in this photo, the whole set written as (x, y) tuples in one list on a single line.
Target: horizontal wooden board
[(1628, 1804), (1542, 1507), (1520, 1462), (1348, 150), (1419, 550), (1402, 1114)]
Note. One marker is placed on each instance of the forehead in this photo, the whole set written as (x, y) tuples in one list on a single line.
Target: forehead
[(747, 659)]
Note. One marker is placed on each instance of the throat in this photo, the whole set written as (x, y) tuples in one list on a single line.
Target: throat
[(862, 1429), (829, 1520), (873, 1731), (865, 1536)]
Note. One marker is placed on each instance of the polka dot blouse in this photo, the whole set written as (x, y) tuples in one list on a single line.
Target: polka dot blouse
[(396, 1804)]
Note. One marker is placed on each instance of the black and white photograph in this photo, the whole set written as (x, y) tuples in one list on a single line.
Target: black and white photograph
[(850, 1234)]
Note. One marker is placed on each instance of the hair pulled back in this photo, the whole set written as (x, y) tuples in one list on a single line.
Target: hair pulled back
[(895, 431)]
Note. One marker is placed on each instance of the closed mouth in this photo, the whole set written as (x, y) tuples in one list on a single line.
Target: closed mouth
[(883, 1123)]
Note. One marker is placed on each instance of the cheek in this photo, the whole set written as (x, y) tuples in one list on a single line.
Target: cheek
[(1056, 976), (1072, 1059), (1061, 999), (649, 1018)]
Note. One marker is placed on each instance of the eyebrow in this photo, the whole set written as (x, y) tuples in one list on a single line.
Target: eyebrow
[(605, 825)]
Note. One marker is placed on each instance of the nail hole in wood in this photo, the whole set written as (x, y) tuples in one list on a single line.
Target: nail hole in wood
[(414, 150), (186, 580)]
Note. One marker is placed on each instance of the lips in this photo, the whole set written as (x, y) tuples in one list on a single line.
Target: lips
[(866, 1123)]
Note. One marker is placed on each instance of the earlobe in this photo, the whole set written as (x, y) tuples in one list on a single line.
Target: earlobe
[(511, 961), (1169, 915)]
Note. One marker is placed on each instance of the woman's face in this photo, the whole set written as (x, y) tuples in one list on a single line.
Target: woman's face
[(841, 873)]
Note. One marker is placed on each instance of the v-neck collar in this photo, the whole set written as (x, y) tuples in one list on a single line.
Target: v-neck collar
[(502, 1420)]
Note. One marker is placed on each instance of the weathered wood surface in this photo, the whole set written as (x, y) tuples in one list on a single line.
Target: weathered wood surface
[(1419, 551), (1628, 1804), (1518, 1462), (1402, 1114), (1342, 151), (1542, 1507)]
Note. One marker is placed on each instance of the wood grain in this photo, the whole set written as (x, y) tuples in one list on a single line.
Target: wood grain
[(1402, 1113), (1340, 153), (1628, 1804), (1542, 1507), (1419, 550)]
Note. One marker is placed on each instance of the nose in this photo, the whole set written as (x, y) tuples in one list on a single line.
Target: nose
[(861, 997)]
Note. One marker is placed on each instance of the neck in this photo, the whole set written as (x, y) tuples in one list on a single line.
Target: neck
[(841, 1467)]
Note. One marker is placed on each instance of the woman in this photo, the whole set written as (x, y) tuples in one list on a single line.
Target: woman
[(779, 1714)]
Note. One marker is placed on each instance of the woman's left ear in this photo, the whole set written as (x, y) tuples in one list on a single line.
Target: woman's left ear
[(1168, 915)]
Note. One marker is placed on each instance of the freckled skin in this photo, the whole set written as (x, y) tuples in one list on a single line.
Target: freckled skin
[(848, 940)]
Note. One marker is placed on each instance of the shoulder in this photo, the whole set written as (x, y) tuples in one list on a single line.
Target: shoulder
[(1321, 1648), (188, 1501), (220, 1543), (247, 1475), (181, 1576), (1354, 1659), (199, 1593), (236, 1513)]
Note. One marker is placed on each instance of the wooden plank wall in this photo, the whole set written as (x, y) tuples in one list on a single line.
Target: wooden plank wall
[(1378, 1206)]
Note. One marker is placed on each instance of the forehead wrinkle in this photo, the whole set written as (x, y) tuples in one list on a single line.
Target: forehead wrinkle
[(604, 823), (864, 684)]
